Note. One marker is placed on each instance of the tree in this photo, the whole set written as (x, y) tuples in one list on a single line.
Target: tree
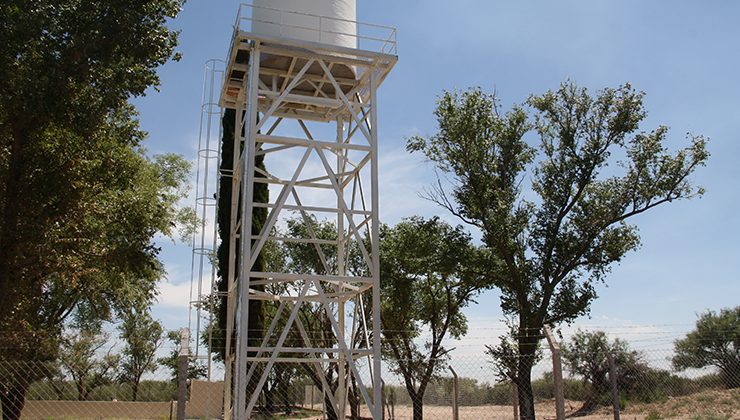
[(80, 358), (505, 357), (261, 194), (559, 238), (142, 336), (714, 342), (100, 259), (426, 284), (79, 201), (196, 370), (586, 355)]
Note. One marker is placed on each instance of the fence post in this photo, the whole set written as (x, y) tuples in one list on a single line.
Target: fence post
[(392, 404), (182, 373), (557, 374), (382, 399), (455, 396), (613, 380), (515, 399)]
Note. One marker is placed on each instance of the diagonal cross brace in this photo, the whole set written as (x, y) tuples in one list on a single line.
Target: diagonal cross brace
[(346, 101), (265, 339), (293, 83), (276, 351), (343, 346), (272, 217), (345, 210)]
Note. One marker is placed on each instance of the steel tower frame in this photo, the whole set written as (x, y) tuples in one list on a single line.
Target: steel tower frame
[(271, 81)]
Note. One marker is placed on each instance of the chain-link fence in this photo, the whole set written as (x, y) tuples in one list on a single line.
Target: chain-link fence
[(651, 389), (639, 380), (45, 390)]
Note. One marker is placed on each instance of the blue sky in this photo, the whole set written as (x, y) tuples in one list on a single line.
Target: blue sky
[(683, 54)]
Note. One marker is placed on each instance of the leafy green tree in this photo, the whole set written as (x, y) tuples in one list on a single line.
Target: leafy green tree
[(426, 284), (557, 239), (259, 217), (79, 201), (102, 258), (714, 342), (142, 336), (505, 357), (586, 356), (196, 369), (82, 356)]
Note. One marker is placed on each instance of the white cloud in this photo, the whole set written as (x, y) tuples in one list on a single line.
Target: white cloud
[(174, 295)]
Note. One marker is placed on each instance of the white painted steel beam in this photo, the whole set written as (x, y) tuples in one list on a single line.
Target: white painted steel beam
[(268, 98)]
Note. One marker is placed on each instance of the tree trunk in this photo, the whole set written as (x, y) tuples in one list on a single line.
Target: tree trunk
[(418, 406), (730, 373), (354, 400), (287, 399), (13, 399), (283, 389), (134, 391), (527, 349), (13, 182), (592, 400), (81, 392), (524, 392), (417, 400), (329, 409), (270, 398)]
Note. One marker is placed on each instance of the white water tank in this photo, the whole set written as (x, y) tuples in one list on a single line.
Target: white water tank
[(326, 21)]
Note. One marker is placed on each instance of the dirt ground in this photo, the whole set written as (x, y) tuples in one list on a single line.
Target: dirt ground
[(708, 405)]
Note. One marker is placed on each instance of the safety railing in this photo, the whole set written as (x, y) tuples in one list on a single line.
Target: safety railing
[(317, 28)]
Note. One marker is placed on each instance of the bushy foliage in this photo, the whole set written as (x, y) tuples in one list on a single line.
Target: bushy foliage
[(587, 355), (80, 202), (196, 369), (142, 336), (556, 238), (714, 342), (427, 281)]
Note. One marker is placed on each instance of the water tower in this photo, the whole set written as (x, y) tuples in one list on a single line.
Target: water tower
[(302, 80)]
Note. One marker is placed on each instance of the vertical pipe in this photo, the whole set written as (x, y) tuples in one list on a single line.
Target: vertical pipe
[(203, 199), (182, 373), (557, 374), (245, 238), (214, 243), (375, 237), (455, 396), (231, 276), (341, 395), (341, 388)]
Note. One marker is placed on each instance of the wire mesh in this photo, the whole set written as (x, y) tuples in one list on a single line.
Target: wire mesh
[(465, 382)]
